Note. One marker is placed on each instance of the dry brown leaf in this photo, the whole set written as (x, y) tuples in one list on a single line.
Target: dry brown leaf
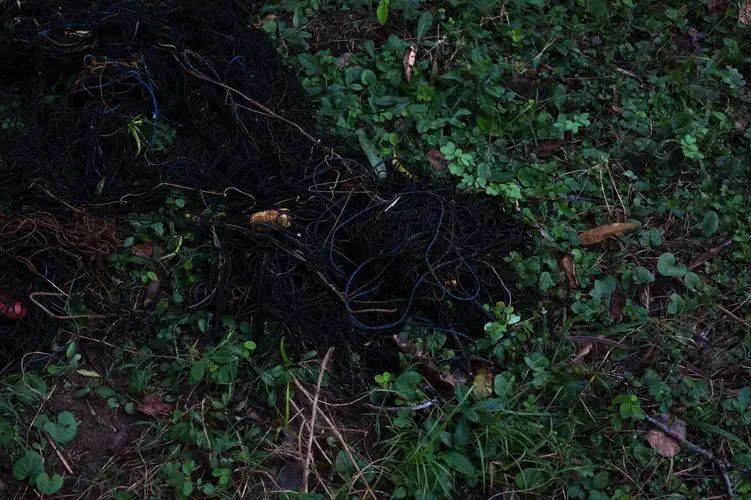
[(447, 380), (482, 384), (146, 251), (154, 407), (454, 378), (549, 146), (409, 62), (667, 446), (662, 444), (701, 259), (602, 233), (264, 19), (151, 291), (744, 15), (717, 6), (617, 303), (583, 353), (344, 60), (568, 262), (277, 218), (436, 160)]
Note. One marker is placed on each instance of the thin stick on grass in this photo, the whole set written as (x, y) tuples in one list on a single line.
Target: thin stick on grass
[(341, 440), (59, 454), (313, 414)]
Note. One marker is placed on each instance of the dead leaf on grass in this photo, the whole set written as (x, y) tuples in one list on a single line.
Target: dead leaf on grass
[(154, 407), (547, 147), (436, 159), (482, 384), (344, 60), (151, 291), (664, 445), (569, 267), (264, 19), (701, 259), (445, 379), (583, 353), (409, 62), (88, 373), (717, 6), (146, 251), (602, 233)]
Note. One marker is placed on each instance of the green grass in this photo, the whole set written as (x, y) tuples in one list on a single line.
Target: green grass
[(571, 115)]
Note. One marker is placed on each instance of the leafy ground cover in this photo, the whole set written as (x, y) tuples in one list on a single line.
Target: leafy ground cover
[(618, 133)]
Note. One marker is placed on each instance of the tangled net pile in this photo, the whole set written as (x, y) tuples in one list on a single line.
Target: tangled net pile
[(108, 107)]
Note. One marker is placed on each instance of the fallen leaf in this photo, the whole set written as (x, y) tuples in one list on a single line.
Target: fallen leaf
[(482, 384), (701, 259), (547, 147), (409, 62), (146, 251), (154, 407), (662, 444), (583, 353), (568, 263), (151, 291), (617, 303), (665, 445), (744, 15), (265, 19), (436, 160), (717, 6), (88, 373), (602, 233), (344, 60), (447, 380), (454, 378)]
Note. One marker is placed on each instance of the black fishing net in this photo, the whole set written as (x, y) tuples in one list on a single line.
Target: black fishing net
[(107, 107)]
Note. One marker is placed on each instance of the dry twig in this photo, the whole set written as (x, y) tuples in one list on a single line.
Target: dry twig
[(341, 440), (314, 411)]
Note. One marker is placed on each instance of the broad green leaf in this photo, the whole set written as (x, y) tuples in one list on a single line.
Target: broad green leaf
[(105, 392), (48, 485), (196, 372), (601, 479), (675, 304), (502, 383), (367, 77), (545, 281), (597, 7), (372, 153), (643, 275), (692, 280), (710, 222), (424, 24), (603, 288), (122, 495), (158, 228), (668, 266), (369, 46), (383, 11), (30, 388), (64, 430), (28, 466), (309, 62), (459, 462), (529, 478)]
